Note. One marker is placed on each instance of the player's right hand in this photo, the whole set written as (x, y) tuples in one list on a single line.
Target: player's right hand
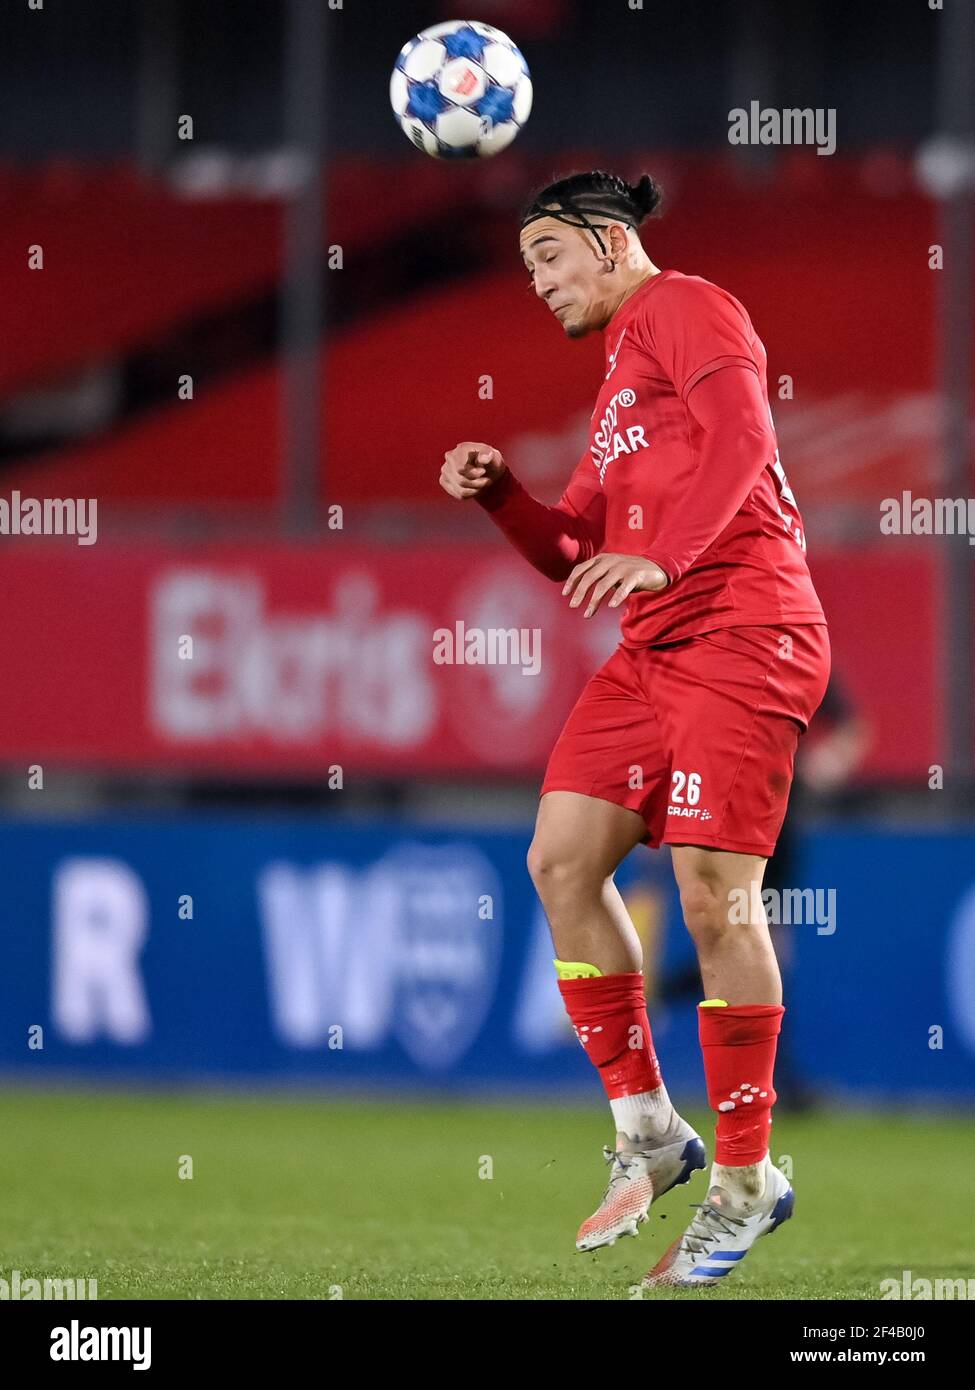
[(469, 468)]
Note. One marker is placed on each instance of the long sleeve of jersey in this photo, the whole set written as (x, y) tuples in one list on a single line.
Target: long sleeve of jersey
[(553, 539), (734, 444)]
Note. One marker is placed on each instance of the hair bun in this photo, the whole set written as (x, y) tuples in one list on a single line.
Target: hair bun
[(646, 195)]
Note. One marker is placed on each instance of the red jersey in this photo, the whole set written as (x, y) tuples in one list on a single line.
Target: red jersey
[(714, 511)]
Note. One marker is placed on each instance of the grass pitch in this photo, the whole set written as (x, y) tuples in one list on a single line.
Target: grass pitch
[(387, 1200)]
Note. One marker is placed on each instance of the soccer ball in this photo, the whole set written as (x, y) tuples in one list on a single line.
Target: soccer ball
[(461, 90)]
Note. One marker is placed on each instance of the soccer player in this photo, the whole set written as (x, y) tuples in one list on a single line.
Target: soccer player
[(680, 515)]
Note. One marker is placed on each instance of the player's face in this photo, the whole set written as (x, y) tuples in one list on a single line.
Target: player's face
[(564, 268)]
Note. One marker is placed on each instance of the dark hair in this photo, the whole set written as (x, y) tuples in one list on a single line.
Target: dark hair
[(598, 192)]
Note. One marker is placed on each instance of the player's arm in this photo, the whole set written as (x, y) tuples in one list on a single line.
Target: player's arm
[(737, 444), (702, 340), (553, 539)]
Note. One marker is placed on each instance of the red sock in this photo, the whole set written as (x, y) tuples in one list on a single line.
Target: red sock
[(609, 1014), (738, 1043)]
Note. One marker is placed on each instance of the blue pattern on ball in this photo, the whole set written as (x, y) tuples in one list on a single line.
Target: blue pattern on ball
[(426, 101), (496, 105), (464, 43)]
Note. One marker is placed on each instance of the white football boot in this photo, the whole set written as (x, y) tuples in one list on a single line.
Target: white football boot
[(640, 1172), (720, 1236)]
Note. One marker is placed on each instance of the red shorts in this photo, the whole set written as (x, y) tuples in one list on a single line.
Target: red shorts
[(698, 736)]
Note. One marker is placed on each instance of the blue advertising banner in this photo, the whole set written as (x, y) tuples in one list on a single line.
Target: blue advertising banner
[(383, 954)]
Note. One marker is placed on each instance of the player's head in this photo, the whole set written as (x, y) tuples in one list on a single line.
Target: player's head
[(580, 244)]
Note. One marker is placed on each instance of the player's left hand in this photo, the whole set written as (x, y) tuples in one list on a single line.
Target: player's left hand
[(626, 574)]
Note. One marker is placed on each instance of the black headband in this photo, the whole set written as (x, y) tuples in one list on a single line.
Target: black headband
[(569, 205)]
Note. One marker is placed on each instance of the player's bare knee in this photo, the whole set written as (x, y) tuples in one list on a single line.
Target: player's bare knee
[(549, 865), (705, 905), (558, 872)]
